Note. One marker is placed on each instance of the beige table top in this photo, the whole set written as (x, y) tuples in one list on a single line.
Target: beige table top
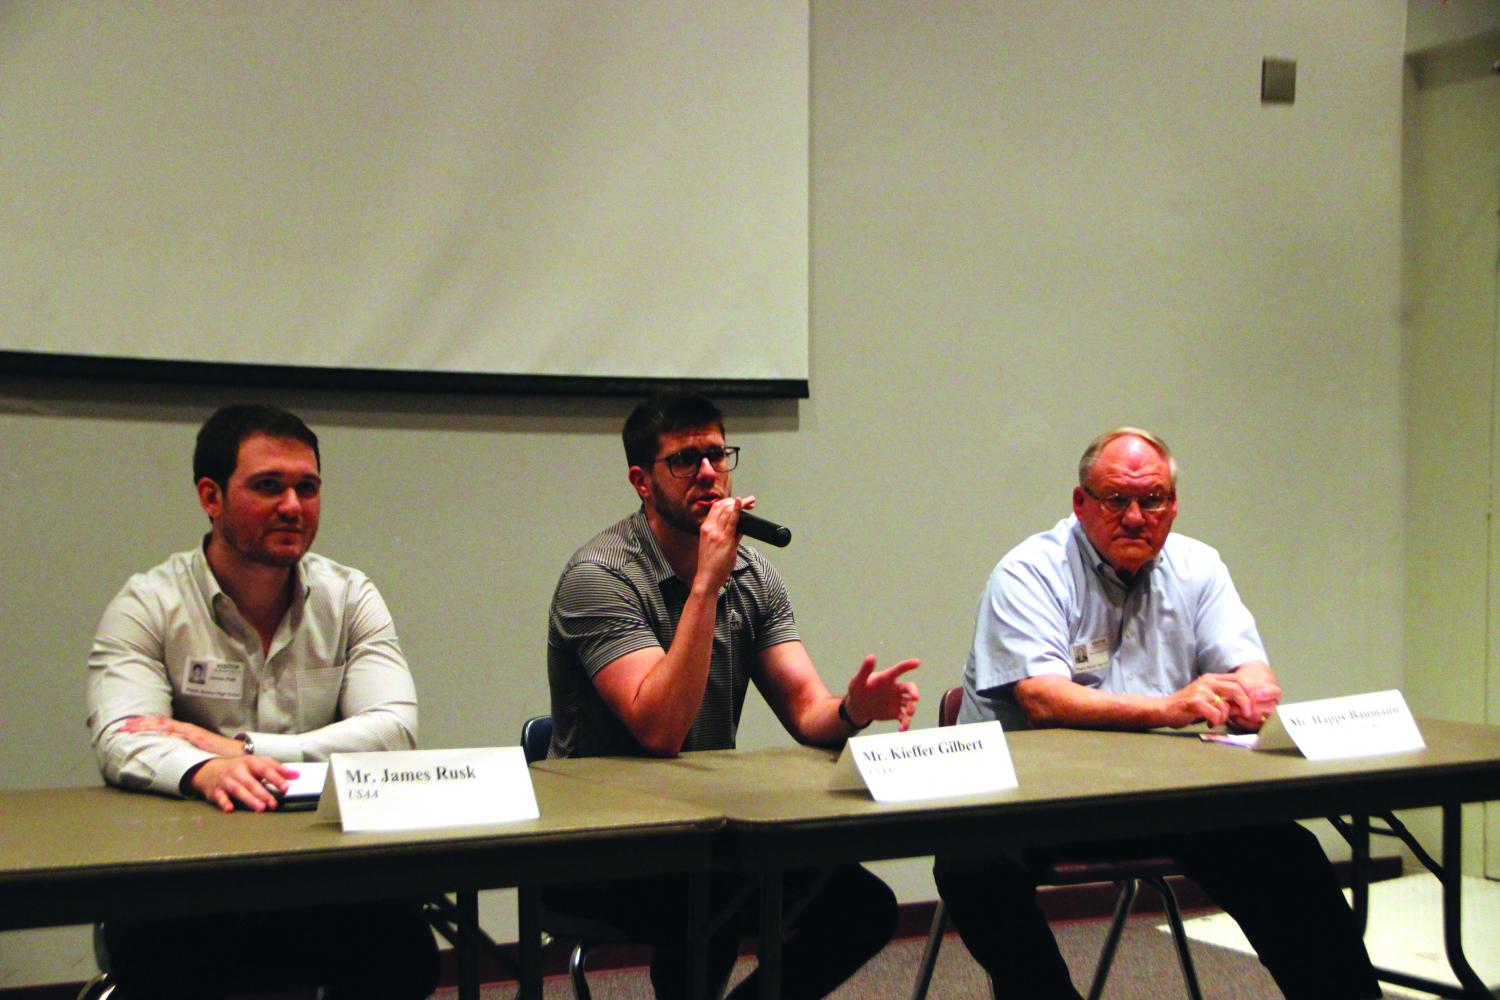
[(1074, 785), (75, 854), (69, 855)]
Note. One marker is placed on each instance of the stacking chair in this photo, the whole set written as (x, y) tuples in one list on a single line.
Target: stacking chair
[(536, 734), (103, 987), (444, 913), (1127, 874)]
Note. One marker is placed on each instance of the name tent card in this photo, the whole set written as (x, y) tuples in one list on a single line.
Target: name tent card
[(1359, 725), (927, 763), (424, 789)]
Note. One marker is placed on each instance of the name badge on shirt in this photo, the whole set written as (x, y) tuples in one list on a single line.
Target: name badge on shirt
[(214, 679), (1090, 654)]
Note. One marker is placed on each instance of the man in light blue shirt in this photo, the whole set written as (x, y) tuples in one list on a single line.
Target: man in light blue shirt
[(1108, 620), (1055, 608)]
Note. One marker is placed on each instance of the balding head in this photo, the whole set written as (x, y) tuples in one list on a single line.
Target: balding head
[(1126, 498)]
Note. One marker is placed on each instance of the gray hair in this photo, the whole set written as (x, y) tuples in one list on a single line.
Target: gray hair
[(1091, 453)]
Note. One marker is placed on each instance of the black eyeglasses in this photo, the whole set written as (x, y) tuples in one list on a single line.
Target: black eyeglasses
[(684, 464), (1119, 503)]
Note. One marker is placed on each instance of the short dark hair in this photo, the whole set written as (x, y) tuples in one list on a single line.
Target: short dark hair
[(218, 448), (666, 412)]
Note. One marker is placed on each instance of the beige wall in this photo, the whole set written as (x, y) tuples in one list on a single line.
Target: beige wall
[(1452, 243), (1453, 197), (1030, 221)]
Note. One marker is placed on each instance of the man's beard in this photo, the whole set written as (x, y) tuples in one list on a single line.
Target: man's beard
[(266, 556), (252, 546), (674, 512), (676, 515)]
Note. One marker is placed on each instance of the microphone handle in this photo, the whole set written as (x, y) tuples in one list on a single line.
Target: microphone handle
[(765, 531)]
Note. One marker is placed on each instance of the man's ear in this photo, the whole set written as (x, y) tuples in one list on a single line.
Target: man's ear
[(640, 481), (210, 497)]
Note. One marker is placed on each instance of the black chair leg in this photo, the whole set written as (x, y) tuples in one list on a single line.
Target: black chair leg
[(575, 972), (1124, 903), (930, 953), (1179, 937), (101, 987)]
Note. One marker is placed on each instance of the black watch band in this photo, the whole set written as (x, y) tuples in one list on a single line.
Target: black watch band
[(844, 715)]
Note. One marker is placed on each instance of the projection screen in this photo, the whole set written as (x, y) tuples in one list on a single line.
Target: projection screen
[(520, 194)]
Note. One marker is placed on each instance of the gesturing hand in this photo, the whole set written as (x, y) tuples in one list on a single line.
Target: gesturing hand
[(881, 694)]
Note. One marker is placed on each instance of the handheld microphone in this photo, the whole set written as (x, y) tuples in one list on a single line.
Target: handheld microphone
[(765, 531)]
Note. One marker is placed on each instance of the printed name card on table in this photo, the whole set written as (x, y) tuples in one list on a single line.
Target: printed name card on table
[(423, 789), (927, 763), (1360, 725)]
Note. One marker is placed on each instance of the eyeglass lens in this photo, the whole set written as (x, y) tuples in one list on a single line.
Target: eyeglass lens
[(1151, 503), (686, 462)]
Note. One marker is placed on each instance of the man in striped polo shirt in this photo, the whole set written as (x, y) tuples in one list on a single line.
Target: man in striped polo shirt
[(657, 628)]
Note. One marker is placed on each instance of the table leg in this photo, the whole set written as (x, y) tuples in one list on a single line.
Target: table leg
[(771, 892), (1448, 869), (529, 929), (1359, 847), (697, 937), (1452, 878), (467, 944)]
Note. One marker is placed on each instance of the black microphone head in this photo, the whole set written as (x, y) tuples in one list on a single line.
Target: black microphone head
[(762, 530)]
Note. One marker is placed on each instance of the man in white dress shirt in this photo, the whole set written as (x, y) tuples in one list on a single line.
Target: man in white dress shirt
[(214, 673)]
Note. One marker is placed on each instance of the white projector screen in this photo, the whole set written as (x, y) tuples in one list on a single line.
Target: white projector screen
[(461, 194)]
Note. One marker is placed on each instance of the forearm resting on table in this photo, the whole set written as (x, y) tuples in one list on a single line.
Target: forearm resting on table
[(389, 726), (1058, 701), (146, 760)]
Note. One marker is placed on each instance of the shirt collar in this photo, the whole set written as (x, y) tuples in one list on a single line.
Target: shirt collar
[(661, 570), (214, 596), (207, 583), (300, 586), (650, 551), (1101, 565)]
